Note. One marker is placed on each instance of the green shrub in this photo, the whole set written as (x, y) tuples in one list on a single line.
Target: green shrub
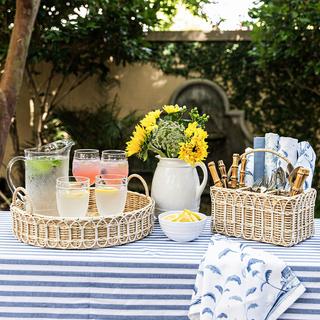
[(274, 78)]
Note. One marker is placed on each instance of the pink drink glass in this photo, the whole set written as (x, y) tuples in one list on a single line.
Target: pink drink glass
[(86, 163), (114, 162)]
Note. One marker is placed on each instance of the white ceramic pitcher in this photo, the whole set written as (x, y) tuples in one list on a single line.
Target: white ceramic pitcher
[(176, 185)]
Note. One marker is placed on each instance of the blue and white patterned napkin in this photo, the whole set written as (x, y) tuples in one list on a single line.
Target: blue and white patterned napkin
[(288, 147), (306, 159), (249, 178), (271, 142), (239, 283)]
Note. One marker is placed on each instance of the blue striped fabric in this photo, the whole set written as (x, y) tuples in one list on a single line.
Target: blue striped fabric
[(148, 280)]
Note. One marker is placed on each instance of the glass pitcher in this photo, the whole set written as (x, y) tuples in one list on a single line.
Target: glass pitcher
[(43, 166)]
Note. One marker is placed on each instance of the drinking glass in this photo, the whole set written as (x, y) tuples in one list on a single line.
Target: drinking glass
[(86, 163), (114, 162), (72, 196), (111, 194)]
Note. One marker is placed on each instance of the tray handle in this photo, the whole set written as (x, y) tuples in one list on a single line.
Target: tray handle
[(146, 189), (23, 196)]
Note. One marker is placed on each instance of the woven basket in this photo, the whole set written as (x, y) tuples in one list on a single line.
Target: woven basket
[(93, 231), (272, 217)]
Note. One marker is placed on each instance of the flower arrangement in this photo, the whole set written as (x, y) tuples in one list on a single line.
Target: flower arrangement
[(172, 132)]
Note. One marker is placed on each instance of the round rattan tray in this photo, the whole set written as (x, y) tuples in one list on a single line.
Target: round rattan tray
[(90, 232)]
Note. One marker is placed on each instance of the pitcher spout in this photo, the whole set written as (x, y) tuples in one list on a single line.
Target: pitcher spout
[(68, 145), (59, 147)]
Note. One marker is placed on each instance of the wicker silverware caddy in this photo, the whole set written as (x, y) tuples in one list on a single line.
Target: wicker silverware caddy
[(272, 217), (93, 231)]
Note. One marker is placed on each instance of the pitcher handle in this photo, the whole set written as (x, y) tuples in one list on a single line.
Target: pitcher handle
[(146, 189), (9, 169), (204, 181)]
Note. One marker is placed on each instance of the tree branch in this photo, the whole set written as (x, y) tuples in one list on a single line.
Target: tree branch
[(72, 87), (26, 11), (4, 198), (11, 81), (302, 86), (51, 76), (33, 84), (58, 91)]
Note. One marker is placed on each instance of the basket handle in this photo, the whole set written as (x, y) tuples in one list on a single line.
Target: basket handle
[(267, 150), (22, 194), (290, 167), (146, 189)]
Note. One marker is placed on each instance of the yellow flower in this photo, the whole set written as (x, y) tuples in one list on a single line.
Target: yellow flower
[(194, 151), (200, 134), (137, 140), (196, 148), (150, 120), (171, 108), (193, 131)]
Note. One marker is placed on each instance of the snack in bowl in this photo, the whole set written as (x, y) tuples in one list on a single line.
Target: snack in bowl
[(182, 226), (185, 216)]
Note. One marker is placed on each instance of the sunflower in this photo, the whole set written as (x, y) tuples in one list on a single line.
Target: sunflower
[(194, 131), (164, 132), (149, 122), (138, 138), (192, 127), (193, 151), (200, 134), (172, 108)]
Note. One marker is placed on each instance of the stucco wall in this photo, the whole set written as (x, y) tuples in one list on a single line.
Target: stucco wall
[(141, 87)]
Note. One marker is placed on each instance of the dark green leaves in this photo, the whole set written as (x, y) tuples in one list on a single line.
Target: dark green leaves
[(275, 78)]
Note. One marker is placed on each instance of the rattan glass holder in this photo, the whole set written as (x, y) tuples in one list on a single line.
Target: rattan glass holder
[(272, 217), (135, 223)]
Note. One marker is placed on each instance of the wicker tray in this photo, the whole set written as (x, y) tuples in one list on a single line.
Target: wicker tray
[(134, 224), (272, 217)]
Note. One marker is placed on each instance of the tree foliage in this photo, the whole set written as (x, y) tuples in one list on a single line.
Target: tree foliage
[(274, 78), (74, 40)]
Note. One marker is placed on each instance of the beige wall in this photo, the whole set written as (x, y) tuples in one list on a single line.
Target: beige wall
[(141, 87)]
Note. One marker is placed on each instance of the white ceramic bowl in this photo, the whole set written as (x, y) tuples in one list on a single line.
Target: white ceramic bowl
[(182, 231)]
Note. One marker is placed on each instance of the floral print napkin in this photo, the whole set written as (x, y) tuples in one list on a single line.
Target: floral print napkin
[(306, 159), (271, 142), (240, 283), (289, 148), (249, 178)]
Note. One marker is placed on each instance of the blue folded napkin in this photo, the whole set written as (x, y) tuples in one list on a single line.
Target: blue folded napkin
[(258, 143), (237, 282)]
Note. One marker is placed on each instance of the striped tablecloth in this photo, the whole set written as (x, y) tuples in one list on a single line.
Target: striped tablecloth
[(148, 280)]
